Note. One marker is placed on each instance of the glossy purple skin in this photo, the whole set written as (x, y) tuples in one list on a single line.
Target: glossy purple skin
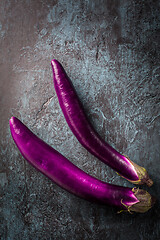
[(61, 171), (82, 128)]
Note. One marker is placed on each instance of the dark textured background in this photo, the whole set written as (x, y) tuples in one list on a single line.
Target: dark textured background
[(110, 50)]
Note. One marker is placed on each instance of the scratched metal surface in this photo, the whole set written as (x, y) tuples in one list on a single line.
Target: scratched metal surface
[(110, 50)]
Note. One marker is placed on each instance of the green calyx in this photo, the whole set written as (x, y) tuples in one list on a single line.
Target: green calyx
[(146, 201), (143, 177), (142, 174)]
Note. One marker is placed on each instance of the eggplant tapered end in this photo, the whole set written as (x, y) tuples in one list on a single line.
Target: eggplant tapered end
[(11, 120)]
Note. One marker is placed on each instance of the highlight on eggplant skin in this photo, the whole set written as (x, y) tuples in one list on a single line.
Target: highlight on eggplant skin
[(83, 130), (65, 174)]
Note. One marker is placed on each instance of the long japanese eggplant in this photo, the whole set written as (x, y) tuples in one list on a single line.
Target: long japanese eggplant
[(62, 172), (83, 130)]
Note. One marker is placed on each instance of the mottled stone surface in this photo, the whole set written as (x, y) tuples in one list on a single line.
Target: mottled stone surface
[(110, 50)]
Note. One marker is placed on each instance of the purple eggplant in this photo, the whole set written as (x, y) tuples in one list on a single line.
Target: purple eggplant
[(81, 127), (65, 174)]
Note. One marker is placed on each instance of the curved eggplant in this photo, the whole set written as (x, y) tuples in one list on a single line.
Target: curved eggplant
[(62, 172), (83, 130)]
